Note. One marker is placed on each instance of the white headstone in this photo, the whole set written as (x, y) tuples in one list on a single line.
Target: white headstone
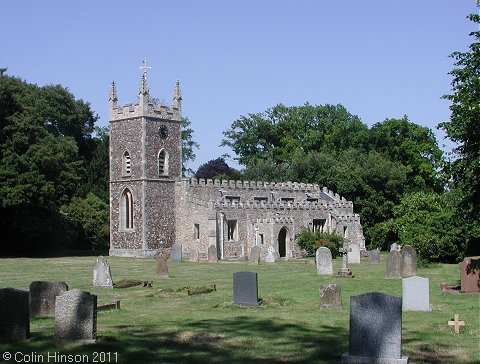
[(102, 277), (415, 294), (270, 255), (323, 259), (353, 255)]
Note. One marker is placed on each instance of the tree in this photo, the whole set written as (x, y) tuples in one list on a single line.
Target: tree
[(216, 169), (464, 129), (188, 144)]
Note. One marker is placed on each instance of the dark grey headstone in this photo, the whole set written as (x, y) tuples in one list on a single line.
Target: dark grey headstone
[(374, 256), (323, 260), (162, 267), (409, 257), (76, 316), (245, 288), (375, 329), (102, 276), (254, 255), (42, 297), (176, 253), (212, 254), (330, 296), (415, 294), (394, 267), (14, 315)]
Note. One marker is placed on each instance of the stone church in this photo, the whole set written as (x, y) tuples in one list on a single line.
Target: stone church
[(152, 206)]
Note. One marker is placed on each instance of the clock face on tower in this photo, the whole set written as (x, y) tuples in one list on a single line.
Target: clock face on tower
[(163, 131)]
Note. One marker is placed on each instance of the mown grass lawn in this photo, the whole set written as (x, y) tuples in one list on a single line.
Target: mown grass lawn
[(159, 325)]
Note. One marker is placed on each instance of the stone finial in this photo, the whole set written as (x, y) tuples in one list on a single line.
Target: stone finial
[(113, 93), (143, 85)]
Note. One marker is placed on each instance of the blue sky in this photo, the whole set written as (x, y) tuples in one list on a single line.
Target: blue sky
[(380, 59)]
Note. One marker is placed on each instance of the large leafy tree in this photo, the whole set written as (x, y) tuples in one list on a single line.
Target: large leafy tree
[(216, 169), (188, 146), (464, 129)]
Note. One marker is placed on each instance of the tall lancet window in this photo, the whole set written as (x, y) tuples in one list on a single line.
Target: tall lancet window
[(126, 210), (163, 163), (126, 164)]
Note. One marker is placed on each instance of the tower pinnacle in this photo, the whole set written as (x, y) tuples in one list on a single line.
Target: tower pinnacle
[(177, 97), (113, 93), (143, 83)]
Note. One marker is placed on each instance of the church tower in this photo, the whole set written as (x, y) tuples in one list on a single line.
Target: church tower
[(145, 164)]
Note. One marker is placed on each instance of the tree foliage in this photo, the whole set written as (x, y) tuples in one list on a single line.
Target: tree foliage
[(216, 169), (310, 241), (188, 146)]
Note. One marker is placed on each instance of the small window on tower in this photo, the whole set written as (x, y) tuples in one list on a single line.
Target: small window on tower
[(163, 163), (232, 229), (126, 164), (196, 231)]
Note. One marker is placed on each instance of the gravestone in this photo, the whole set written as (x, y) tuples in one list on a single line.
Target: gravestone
[(344, 271), (162, 267), (330, 296), (76, 317), (374, 256), (353, 255), (394, 265), (176, 253), (470, 276), (42, 297), (194, 254), (245, 288), (254, 255), (14, 315), (393, 247), (409, 257), (270, 255), (212, 254), (415, 294), (375, 329), (102, 276), (323, 260)]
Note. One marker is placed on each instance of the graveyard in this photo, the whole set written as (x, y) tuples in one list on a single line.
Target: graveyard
[(165, 323)]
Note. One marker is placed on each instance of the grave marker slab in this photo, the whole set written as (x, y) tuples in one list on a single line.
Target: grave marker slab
[(330, 296), (415, 294), (374, 256), (14, 315), (254, 255), (76, 317), (270, 255), (162, 267), (245, 288), (375, 329), (176, 253), (353, 256), (470, 276), (323, 260), (102, 276), (409, 257), (394, 267), (393, 247), (42, 297), (194, 254), (212, 254)]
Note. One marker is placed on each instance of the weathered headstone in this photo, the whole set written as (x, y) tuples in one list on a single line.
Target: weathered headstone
[(393, 247), (270, 255), (76, 316), (375, 329), (14, 315), (470, 276), (374, 256), (162, 267), (323, 260), (394, 265), (176, 253), (194, 254), (409, 257), (212, 254), (415, 294), (354, 254), (102, 276), (330, 296), (245, 288), (254, 255), (42, 297)]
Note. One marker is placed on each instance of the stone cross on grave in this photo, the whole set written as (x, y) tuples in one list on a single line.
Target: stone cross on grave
[(344, 271), (456, 323)]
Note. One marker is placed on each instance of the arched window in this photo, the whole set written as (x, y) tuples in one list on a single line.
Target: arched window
[(163, 163), (126, 164), (126, 210)]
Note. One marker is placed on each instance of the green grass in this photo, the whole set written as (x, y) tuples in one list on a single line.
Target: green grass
[(164, 325)]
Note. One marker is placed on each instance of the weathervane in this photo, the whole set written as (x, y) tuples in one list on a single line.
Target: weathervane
[(145, 67)]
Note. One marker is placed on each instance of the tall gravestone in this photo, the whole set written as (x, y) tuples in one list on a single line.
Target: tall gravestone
[(270, 255), (409, 257), (245, 288), (14, 315), (330, 297), (415, 294), (375, 329), (470, 276), (102, 276), (212, 254), (176, 253), (194, 254), (394, 267), (374, 256), (42, 297), (323, 260), (254, 255), (162, 267), (76, 317), (353, 255)]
